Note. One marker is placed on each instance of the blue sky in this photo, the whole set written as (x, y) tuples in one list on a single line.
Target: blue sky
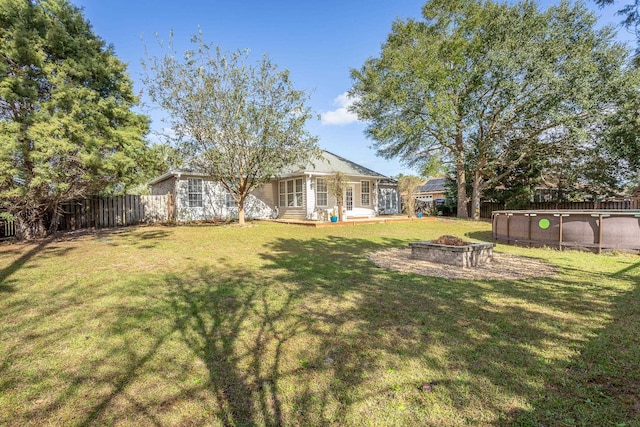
[(318, 42)]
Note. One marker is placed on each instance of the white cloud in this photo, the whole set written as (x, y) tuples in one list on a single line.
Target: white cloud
[(340, 116)]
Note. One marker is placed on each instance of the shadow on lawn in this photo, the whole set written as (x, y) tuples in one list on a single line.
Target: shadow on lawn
[(144, 239), (140, 237), (252, 332), (19, 263), (484, 236), (319, 335), (600, 385), (484, 339), (229, 323)]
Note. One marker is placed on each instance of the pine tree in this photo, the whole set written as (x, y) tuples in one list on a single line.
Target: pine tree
[(66, 125)]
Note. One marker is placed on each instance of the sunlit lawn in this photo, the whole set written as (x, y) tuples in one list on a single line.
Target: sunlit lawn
[(284, 325)]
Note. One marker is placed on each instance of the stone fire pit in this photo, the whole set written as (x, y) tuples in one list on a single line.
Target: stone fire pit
[(452, 251)]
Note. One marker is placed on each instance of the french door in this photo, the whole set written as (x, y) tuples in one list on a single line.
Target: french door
[(348, 199)]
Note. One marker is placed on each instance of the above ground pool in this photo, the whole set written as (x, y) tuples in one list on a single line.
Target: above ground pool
[(595, 230)]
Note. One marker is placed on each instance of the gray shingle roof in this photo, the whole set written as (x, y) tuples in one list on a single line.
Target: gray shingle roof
[(329, 163)]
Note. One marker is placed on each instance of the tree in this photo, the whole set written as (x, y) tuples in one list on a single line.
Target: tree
[(621, 129), (337, 185), (407, 185), (237, 122), (631, 20), (66, 125), (434, 166), (517, 188), (484, 83)]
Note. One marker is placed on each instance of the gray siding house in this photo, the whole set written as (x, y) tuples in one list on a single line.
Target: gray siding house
[(297, 193)]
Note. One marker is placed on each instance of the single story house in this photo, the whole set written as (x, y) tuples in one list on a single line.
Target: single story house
[(297, 193)]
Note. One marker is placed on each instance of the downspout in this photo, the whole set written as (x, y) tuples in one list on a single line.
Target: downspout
[(175, 197), (376, 205), (309, 209)]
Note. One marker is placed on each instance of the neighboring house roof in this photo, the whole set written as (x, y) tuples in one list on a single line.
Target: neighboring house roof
[(327, 164), (433, 185)]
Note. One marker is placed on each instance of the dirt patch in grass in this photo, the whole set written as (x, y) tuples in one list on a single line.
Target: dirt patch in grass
[(501, 267)]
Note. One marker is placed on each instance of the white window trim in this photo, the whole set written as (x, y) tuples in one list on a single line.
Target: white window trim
[(229, 202), (195, 188), (294, 193), (367, 193), (325, 192)]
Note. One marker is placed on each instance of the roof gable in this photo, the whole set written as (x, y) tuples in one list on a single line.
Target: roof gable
[(329, 163)]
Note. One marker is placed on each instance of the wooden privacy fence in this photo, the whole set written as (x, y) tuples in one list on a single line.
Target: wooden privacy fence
[(115, 211), (486, 208), (614, 204), (7, 228)]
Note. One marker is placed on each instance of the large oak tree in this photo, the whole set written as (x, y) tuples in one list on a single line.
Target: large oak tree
[(66, 125), (488, 85)]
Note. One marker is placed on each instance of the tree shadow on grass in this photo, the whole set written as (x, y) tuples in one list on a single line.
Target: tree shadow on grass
[(601, 384), (318, 335), (253, 335), (210, 341), (142, 238), (232, 327), (47, 247), (484, 340), (19, 263), (483, 236), (209, 314)]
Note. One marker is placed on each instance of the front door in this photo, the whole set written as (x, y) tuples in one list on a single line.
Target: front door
[(349, 199)]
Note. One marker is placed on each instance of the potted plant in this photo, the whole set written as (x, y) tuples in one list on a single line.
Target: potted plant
[(333, 216)]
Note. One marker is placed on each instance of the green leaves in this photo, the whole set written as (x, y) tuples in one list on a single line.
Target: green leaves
[(482, 82), (237, 121), (65, 109)]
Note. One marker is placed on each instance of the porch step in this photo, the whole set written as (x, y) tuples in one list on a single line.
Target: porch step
[(297, 216)]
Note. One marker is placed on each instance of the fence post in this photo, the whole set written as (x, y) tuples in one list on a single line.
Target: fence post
[(124, 209), (171, 207)]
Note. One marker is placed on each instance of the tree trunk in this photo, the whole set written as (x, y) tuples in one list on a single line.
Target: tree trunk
[(475, 196), (31, 225), (241, 212), (339, 210), (462, 189), (461, 175), (411, 205)]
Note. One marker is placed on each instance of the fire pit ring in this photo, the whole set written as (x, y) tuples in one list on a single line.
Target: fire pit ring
[(465, 256)]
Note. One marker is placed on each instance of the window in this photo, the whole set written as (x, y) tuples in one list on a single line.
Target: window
[(298, 192), (365, 193), (229, 200), (195, 192), (291, 193), (283, 193), (321, 192)]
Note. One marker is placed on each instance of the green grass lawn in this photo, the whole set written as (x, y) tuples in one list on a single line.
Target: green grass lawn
[(284, 325)]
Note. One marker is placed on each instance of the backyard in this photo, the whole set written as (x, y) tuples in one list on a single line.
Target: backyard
[(274, 324)]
